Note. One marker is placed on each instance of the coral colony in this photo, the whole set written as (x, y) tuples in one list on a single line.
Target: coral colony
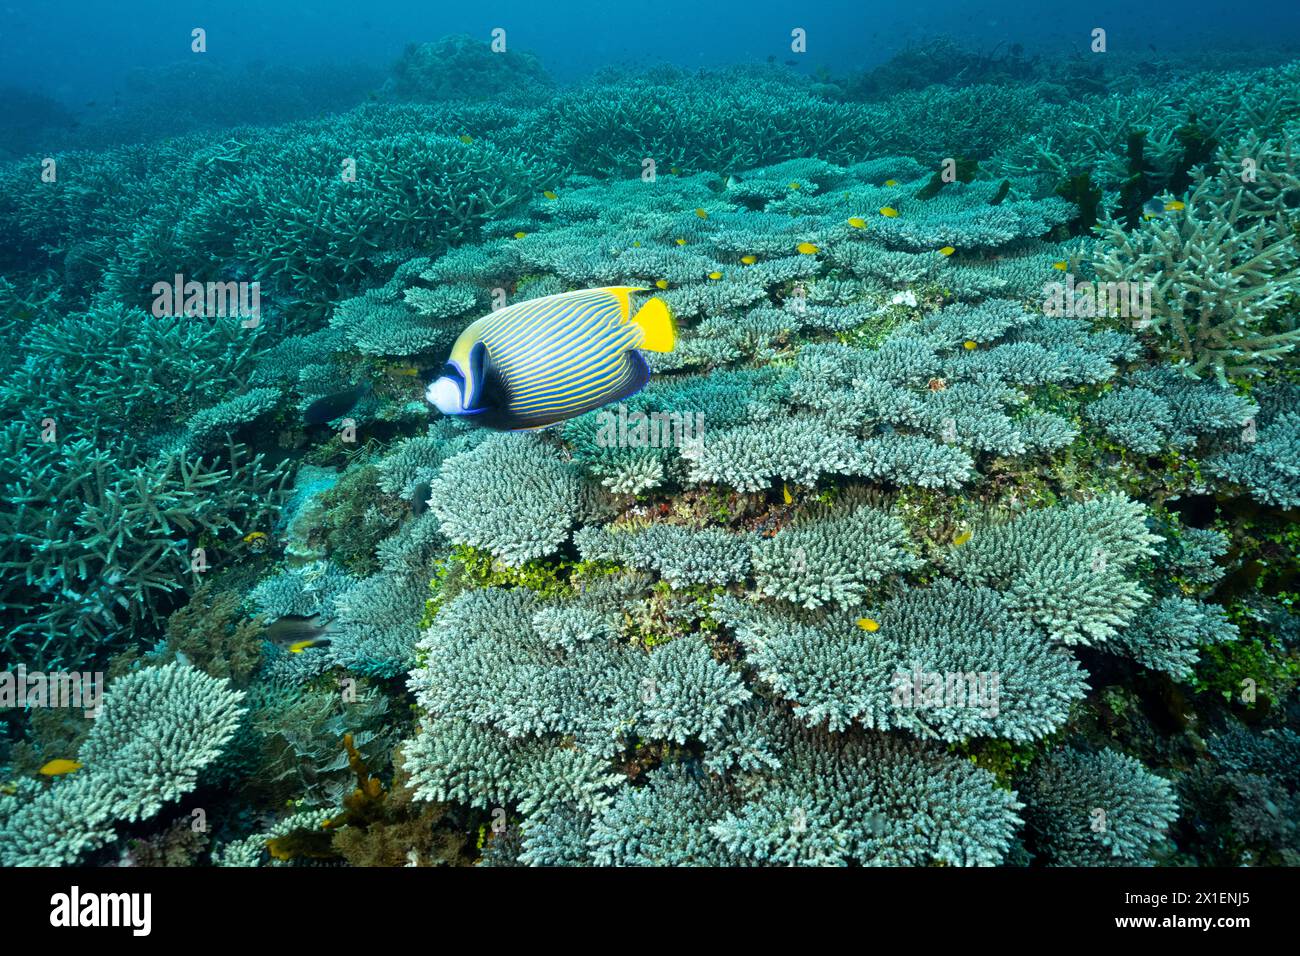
[(957, 526)]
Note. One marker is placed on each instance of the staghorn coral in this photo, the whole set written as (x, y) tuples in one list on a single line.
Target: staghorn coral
[(94, 545), (145, 372), (1225, 269)]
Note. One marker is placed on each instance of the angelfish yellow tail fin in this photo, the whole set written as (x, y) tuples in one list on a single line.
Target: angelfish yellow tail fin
[(655, 321)]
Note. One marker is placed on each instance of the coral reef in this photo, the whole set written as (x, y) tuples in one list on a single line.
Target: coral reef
[(1225, 268), (1099, 809), (159, 728), (913, 552)]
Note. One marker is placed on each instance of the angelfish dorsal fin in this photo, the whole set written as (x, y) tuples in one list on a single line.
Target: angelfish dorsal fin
[(623, 293)]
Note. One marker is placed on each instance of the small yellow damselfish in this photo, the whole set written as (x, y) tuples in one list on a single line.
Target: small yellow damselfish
[(59, 767), (546, 360), (807, 249), (749, 260), (550, 194), (868, 625), (857, 222), (947, 251), (889, 212)]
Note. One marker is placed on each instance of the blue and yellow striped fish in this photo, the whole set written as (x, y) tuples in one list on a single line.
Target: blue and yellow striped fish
[(539, 362)]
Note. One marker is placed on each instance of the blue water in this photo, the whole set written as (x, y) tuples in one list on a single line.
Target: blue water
[(84, 52)]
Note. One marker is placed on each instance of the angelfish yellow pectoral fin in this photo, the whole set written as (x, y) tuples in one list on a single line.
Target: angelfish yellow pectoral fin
[(655, 321)]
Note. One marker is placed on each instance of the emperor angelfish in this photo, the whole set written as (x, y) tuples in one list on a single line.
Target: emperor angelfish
[(539, 362)]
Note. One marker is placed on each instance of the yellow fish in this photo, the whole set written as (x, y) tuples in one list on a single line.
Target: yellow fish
[(297, 647), (749, 260), (550, 194), (520, 235), (680, 242), (785, 493), (56, 767), (636, 243), (794, 185), (807, 248), (674, 170), (891, 182), (962, 538), (715, 275), (868, 625), (970, 345), (947, 251), (889, 212), (1175, 206), (466, 139), (1061, 266), (661, 284), (701, 213), (253, 536), (857, 222)]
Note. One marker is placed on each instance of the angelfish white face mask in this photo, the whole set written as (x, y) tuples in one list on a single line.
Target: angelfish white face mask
[(445, 394)]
